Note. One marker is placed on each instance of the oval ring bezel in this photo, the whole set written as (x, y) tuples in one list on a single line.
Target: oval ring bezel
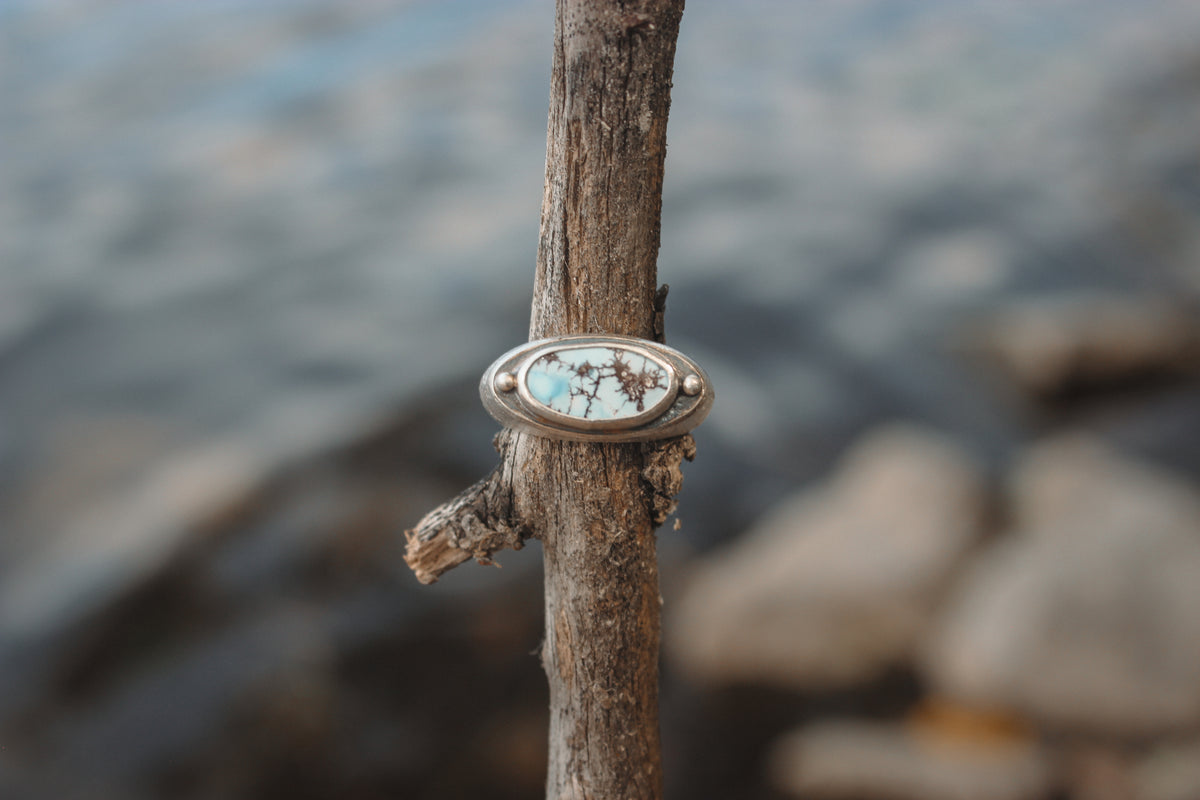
[(675, 414)]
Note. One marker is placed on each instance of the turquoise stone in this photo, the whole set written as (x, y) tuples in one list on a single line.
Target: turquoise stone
[(598, 382)]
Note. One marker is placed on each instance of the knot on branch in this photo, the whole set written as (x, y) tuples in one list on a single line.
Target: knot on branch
[(661, 473)]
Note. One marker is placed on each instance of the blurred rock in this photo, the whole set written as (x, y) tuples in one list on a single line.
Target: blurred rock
[(261, 638), (119, 540), (838, 583), (917, 761), (1054, 347), (1169, 772), (1086, 618), (1092, 771), (1077, 481), (243, 674)]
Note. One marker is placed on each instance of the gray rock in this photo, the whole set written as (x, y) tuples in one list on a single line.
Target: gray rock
[(1079, 482), (135, 522), (1169, 772), (158, 719), (1092, 770), (888, 761), (1085, 618), (1050, 345), (100, 550), (838, 583)]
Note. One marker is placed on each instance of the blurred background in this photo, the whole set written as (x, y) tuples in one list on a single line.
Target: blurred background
[(941, 258)]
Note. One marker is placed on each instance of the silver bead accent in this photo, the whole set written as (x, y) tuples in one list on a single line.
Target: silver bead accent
[(692, 385), (505, 382)]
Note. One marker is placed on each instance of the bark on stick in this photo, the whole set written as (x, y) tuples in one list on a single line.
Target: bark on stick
[(593, 506)]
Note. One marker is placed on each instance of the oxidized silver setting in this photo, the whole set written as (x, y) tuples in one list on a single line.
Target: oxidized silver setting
[(594, 388)]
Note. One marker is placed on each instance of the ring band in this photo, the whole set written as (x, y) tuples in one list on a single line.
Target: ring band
[(597, 389)]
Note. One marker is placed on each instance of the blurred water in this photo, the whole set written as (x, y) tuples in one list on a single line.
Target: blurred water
[(257, 227)]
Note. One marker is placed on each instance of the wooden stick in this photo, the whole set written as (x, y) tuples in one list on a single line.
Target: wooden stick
[(593, 506)]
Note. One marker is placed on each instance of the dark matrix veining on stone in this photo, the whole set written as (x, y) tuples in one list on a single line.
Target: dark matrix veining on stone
[(598, 383)]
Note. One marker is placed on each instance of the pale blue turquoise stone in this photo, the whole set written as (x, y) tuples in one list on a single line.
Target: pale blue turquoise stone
[(597, 383)]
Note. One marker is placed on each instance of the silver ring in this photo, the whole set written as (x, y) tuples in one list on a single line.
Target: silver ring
[(597, 389)]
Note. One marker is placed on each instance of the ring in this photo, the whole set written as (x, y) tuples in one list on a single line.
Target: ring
[(597, 389)]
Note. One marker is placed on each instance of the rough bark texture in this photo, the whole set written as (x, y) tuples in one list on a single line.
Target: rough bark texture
[(593, 506)]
